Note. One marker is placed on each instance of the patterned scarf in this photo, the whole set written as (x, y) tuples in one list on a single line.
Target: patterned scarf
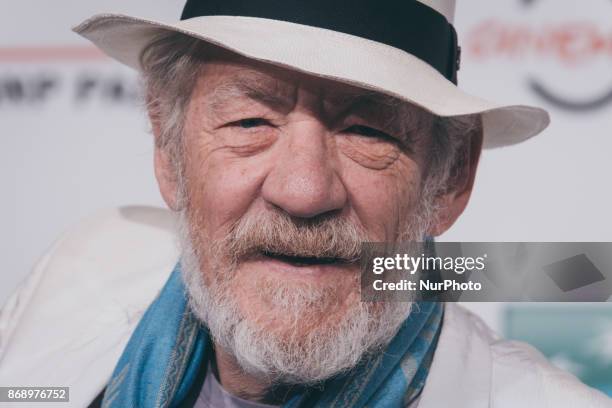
[(165, 354)]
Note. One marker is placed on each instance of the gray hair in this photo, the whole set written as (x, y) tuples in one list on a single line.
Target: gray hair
[(170, 67)]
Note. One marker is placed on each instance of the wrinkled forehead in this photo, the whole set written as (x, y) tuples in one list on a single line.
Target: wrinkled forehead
[(225, 77)]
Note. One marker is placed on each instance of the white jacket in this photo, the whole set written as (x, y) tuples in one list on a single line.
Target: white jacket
[(69, 321)]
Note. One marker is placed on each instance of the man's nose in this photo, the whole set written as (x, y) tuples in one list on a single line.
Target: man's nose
[(304, 181)]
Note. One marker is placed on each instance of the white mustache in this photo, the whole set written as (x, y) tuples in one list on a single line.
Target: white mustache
[(279, 233)]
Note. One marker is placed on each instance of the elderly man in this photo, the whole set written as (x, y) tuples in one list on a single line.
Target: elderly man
[(286, 135)]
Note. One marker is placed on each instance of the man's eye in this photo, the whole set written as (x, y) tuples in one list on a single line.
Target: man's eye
[(368, 132), (250, 123)]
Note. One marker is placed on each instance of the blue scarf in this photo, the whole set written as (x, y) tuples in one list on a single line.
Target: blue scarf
[(165, 354)]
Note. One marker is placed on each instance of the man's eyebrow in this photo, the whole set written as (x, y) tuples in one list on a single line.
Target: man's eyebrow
[(396, 110), (261, 89), (363, 101)]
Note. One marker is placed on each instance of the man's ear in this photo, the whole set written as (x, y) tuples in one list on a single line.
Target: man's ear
[(165, 171), (452, 203)]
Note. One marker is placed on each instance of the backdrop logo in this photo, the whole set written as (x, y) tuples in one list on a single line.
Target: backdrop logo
[(39, 76), (571, 44)]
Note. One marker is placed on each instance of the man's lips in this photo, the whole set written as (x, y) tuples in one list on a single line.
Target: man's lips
[(304, 260), (298, 266)]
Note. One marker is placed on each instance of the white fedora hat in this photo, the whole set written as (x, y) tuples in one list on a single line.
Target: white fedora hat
[(404, 48)]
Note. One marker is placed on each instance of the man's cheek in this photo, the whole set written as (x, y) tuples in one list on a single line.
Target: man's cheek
[(226, 190), (378, 201)]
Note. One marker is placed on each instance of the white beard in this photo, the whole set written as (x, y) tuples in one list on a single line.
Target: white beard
[(324, 352)]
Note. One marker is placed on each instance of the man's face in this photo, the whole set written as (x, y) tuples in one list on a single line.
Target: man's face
[(283, 177)]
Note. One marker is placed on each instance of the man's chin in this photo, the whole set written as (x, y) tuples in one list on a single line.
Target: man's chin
[(307, 346), (290, 330), (302, 350), (295, 306)]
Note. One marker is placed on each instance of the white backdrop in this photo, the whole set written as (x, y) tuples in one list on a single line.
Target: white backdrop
[(73, 138)]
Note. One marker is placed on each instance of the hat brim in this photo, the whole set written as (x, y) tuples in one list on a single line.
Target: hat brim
[(328, 54)]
